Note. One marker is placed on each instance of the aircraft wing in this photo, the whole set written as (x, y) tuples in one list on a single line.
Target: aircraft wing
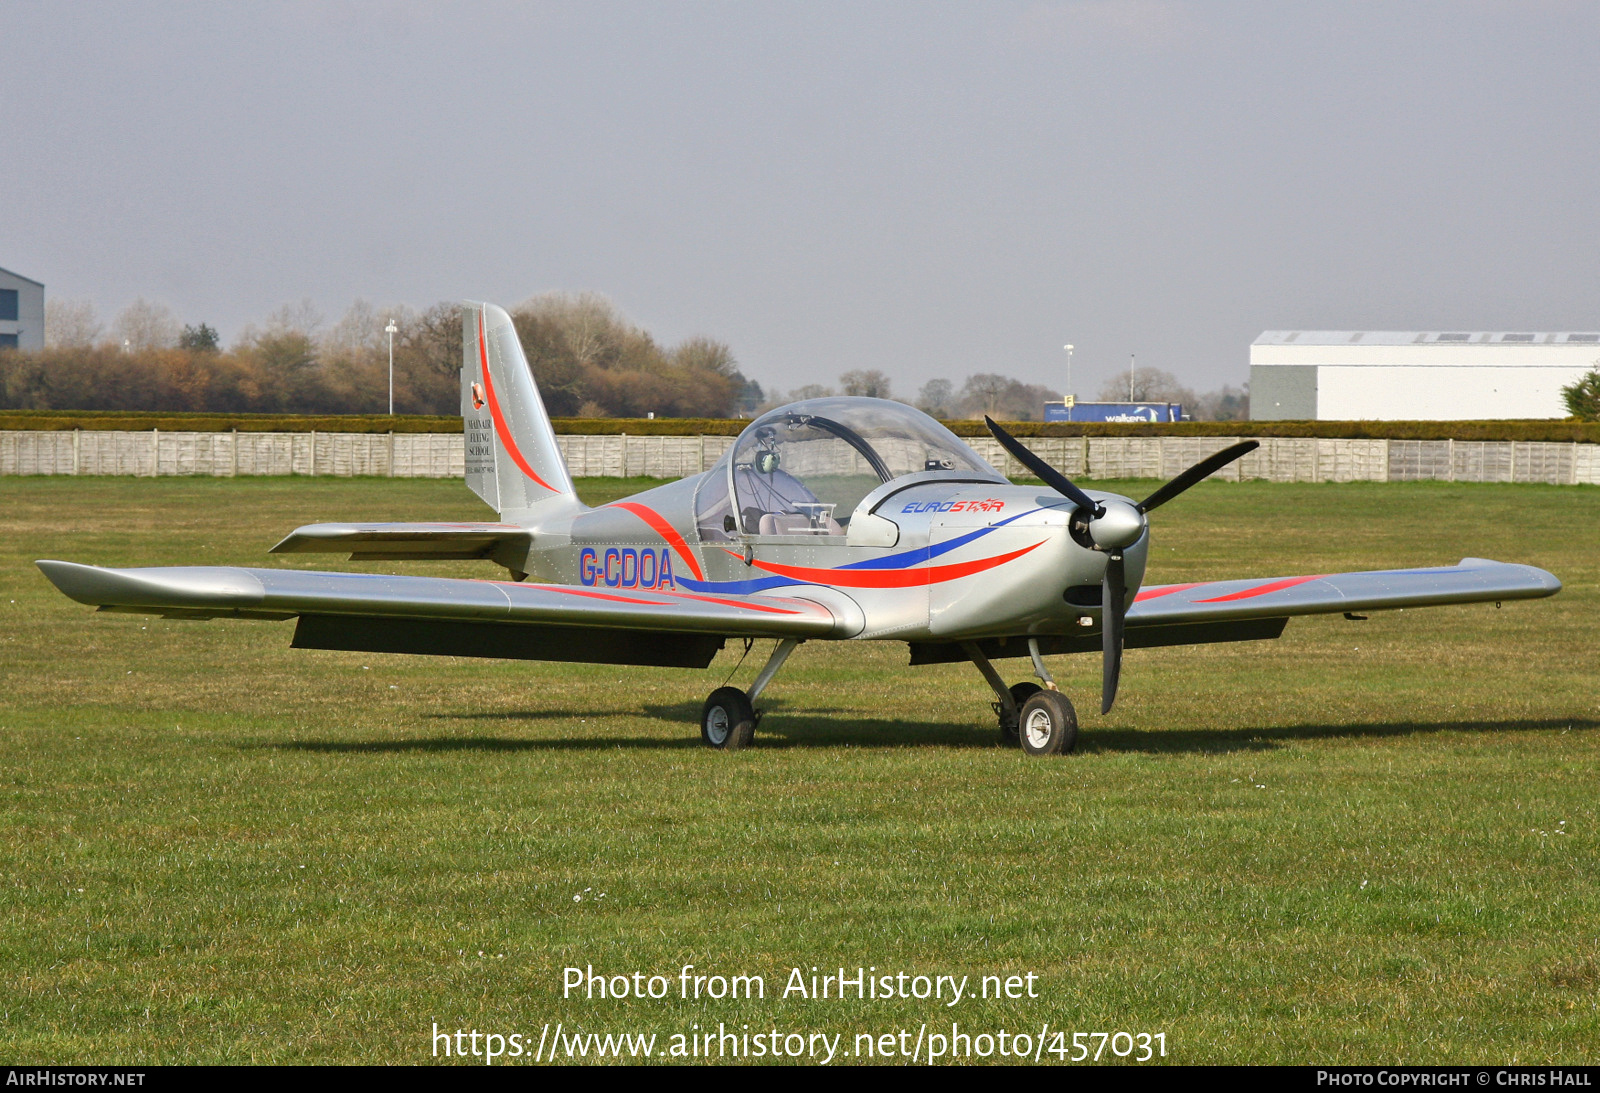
[(1474, 580), (455, 617), (388, 542), (1259, 609)]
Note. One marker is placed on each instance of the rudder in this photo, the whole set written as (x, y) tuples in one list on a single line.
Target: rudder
[(513, 461)]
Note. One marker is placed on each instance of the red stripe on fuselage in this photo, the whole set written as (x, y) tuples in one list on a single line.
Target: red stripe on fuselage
[(659, 525), (1262, 590), (500, 426), (887, 578)]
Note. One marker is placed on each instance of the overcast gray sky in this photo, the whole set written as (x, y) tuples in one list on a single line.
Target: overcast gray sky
[(932, 190)]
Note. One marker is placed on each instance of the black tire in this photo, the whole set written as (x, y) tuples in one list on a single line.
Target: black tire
[(728, 721), (1020, 693), (1049, 724)]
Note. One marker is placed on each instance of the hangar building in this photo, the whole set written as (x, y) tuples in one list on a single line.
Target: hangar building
[(21, 312), (1388, 375)]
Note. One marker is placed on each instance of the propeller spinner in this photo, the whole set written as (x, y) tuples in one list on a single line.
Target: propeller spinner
[(1113, 526)]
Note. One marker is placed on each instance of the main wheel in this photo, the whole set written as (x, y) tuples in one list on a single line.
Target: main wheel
[(1049, 724), (728, 721), (1020, 693)]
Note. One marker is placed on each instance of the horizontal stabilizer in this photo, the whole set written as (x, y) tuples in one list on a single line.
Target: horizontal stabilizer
[(387, 542)]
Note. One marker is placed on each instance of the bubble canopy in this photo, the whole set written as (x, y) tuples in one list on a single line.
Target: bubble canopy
[(803, 468)]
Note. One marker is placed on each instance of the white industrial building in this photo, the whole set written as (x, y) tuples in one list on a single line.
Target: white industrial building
[(21, 312), (1387, 375)]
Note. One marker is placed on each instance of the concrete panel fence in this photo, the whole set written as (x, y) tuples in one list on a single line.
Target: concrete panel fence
[(440, 455)]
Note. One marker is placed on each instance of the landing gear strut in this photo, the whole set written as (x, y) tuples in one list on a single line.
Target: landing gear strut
[(1040, 719), (728, 719)]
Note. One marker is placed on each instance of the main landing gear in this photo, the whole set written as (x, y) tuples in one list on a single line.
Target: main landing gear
[(728, 720), (1040, 719)]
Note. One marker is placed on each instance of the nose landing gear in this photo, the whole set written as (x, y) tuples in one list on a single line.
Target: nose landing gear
[(1041, 721)]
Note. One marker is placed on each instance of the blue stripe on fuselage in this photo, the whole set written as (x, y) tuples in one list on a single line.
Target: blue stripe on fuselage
[(903, 560), (737, 588), (908, 558)]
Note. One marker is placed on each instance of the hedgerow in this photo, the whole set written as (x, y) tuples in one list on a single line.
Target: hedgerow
[(1559, 431)]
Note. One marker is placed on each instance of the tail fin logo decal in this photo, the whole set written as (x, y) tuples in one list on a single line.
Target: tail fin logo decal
[(477, 396), (500, 426)]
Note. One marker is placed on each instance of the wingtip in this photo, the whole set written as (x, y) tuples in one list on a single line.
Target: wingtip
[(1549, 583), (71, 579), (181, 587)]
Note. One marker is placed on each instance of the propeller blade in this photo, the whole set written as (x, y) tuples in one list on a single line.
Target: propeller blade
[(1203, 469), (1112, 592), (1048, 474)]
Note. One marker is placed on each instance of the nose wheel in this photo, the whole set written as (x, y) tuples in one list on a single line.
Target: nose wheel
[(1040, 721), (1048, 725)]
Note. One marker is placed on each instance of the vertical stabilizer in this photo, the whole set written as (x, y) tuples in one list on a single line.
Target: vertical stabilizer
[(513, 462)]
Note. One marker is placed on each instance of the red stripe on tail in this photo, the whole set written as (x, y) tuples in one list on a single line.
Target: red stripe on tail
[(500, 426)]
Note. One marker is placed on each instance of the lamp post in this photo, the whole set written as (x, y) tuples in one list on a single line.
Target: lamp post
[(1130, 377), (1071, 401), (390, 330)]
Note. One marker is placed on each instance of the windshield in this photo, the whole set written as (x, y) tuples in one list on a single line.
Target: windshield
[(802, 469)]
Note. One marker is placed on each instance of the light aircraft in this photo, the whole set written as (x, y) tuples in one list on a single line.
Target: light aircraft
[(842, 519)]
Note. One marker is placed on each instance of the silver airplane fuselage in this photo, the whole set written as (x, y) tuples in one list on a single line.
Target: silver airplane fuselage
[(930, 556)]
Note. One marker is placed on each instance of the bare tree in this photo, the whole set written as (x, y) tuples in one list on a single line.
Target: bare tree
[(594, 329), (1227, 403), (143, 325), (706, 354), (1149, 385), (865, 384), (70, 324), (360, 329), (810, 390), (427, 361), (292, 363), (302, 318), (937, 398), (982, 392), (1003, 397)]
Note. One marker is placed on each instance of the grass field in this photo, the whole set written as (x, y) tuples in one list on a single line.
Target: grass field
[(1365, 842)]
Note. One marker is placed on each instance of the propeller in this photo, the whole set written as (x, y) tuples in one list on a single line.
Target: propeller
[(1113, 526)]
